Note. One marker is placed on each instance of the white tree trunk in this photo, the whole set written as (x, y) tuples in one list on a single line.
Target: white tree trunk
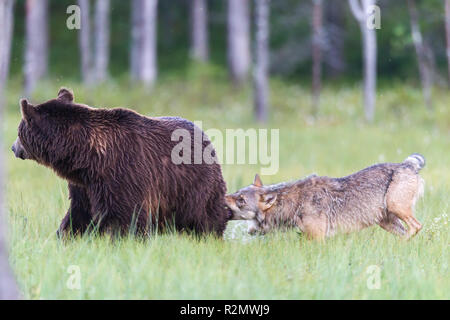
[(149, 44), (370, 71), (36, 48), (199, 30), (6, 19), (84, 41), (136, 39), (8, 288), (143, 57), (317, 44), (238, 40), (101, 39), (425, 71), (369, 39), (447, 33), (260, 72)]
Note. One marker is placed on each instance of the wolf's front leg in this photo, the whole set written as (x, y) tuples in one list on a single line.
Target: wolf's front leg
[(314, 226), (78, 216)]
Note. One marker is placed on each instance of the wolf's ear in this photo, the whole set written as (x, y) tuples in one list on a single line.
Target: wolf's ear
[(267, 200), (257, 182), (27, 109), (65, 95)]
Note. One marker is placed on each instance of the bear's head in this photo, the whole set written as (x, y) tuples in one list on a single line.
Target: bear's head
[(45, 131)]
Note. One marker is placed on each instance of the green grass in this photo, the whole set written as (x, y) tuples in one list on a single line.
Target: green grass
[(276, 266)]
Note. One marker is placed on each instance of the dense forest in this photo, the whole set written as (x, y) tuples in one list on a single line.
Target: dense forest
[(290, 38)]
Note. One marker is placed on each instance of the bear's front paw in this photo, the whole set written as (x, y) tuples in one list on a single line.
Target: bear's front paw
[(64, 228), (61, 233)]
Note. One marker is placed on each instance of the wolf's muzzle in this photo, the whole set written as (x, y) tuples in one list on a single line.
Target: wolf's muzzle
[(229, 212)]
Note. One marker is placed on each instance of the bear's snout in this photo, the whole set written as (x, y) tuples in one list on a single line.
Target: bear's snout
[(18, 150)]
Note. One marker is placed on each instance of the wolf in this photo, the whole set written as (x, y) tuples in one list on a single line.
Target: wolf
[(384, 194)]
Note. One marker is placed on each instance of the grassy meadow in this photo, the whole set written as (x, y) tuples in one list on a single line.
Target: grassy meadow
[(281, 265)]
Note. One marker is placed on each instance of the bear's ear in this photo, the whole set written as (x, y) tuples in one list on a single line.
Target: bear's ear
[(27, 109), (65, 95)]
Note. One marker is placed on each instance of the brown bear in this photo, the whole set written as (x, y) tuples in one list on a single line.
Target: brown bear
[(119, 168)]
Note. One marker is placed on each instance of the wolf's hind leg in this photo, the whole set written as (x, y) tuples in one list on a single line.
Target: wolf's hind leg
[(393, 225), (401, 197)]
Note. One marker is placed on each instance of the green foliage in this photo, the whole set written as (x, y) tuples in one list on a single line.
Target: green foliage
[(281, 265), (290, 26)]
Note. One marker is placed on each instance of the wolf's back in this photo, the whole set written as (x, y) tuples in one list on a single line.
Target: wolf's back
[(416, 160)]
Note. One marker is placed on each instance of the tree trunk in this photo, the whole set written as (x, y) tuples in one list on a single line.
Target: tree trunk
[(84, 40), (260, 73), (422, 61), (370, 71), (369, 39), (149, 44), (36, 48), (199, 30), (238, 40), (6, 18), (447, 33), (101, 39), (137, 21), (317, 43), (144, 41), (8, 287)]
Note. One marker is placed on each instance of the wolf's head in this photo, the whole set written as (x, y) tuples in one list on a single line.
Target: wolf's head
[(251, 203)]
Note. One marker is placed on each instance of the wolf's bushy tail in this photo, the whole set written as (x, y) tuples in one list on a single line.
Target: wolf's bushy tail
[(417, 160)]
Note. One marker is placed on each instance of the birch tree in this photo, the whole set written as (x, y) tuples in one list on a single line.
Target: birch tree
[(102, 31), (36, 43), (6, 18), (260, 72), (199, 30), (84, 41), (447, 33), (136, 39), (425, 71), (143, 57), (360, 10), (317, 43), (8, 288), (238, 38), (94, 52)]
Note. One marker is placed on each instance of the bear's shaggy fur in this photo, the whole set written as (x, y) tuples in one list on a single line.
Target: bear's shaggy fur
[(119, 168)]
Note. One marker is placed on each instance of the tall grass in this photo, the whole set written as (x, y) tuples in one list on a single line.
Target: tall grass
[(276, 266)]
